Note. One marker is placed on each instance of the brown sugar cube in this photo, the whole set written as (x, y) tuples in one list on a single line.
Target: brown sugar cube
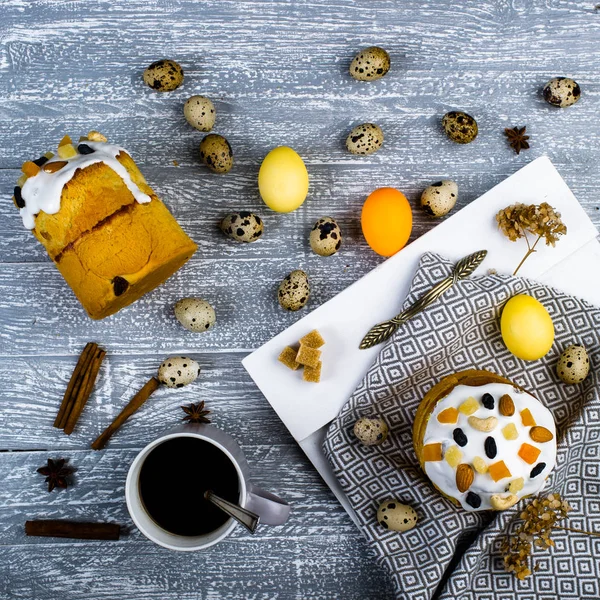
[(312, 374), (288, 358), (312, 339), (309, 357)]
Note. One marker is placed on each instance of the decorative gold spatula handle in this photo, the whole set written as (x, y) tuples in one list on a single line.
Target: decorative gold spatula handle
[(463, 268)]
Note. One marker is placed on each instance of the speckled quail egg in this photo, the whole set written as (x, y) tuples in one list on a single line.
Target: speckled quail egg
[(216, 153), (371, 431), (460, 127), (164, 75), (370, 64), (325, 237), (294, 291), (200, 113), (243, 226), (195, 314), (177, 371), (396, 516), (439, 198), (562, 92), (365, 139), (573, 365)]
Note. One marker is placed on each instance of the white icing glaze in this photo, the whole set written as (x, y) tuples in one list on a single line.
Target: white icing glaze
[(43, 191), (444, 476)]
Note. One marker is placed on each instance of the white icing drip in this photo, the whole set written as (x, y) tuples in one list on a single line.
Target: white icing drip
[(444, 476), (43, 191)]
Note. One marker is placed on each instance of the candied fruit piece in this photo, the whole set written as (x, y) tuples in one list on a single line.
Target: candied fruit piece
[(432, 452), (308, 356), (84, 138), (312, 339), (453, 456), (510, 432), (516, 485), (49, 155), (527, 418), (499, 471), (469, 406), (65, 141), (21, 181), (67, 151), (448, 415), (312, 374), (529, 453), (288, 358), (96, 136), (30, 169), (480, 465)]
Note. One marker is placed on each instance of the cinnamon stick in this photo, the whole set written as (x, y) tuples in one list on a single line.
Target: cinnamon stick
[(87, 385), (74, 384), (134, 404), (73, 529)]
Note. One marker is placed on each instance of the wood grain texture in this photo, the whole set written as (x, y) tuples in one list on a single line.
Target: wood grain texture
[(277, 72)]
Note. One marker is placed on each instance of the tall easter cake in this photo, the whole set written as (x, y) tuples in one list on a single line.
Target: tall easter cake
[(104, 228), (484, 442)]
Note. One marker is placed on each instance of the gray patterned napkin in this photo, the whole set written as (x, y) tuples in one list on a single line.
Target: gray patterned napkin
[(461, 331)]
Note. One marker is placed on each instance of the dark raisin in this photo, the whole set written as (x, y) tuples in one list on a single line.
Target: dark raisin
[(18, 197), (85, 149), (120, 285), (41, 161), (459, 437), (473, 500), (490, 447), (537, 470), (488, 401)]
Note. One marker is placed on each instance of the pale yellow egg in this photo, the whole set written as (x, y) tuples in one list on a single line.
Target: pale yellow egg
[(283, 180), (527, 328)]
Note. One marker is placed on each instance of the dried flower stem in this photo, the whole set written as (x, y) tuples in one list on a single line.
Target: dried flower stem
[(596, 533), (530, 251)]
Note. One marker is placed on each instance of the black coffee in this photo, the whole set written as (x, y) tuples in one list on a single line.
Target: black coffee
[(173, 480)]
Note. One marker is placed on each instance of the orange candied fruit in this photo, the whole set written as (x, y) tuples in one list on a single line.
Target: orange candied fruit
[(527, 418), (432, 452), (499, 471), (448, 415), (529, 453), (30, 168)]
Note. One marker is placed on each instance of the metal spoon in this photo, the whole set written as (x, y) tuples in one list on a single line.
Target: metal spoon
[(247, 518)]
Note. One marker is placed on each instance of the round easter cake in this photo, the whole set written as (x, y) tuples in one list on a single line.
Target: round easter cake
[(483, 441)]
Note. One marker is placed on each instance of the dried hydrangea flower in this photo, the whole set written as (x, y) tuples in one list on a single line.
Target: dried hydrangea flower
[(541, 220)]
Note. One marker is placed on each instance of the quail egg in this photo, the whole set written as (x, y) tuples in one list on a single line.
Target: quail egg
[(200, 113), (364, 139), (396, 516), (216, 153), (460, 127), (325, 237), (562, 92), (573, 365), (370, 64), (243, 226), (294, 291), (164, 75), (371, 431), (195, 314), (177, 371), (439, 198)]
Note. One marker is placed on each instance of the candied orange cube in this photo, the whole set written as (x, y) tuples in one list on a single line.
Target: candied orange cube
[(469, 406), (30, 168), (527, 418), (529, 453), (499, 470), (432, 452), (453, 456), (448, 415), (510, 432)]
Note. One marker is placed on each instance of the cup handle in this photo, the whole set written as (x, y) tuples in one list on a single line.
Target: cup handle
[(271, 509)]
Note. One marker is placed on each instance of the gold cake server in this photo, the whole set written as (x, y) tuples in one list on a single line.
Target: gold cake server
[(463, 268)]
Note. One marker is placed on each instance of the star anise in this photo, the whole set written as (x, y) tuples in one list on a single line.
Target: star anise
[(57, 474), (517, 138), (196, 413)]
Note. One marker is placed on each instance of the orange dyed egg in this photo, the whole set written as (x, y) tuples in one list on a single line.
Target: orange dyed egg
[(386, 221)]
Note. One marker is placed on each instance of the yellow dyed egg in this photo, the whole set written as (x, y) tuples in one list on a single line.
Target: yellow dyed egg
[(283, 180), (527, 328)]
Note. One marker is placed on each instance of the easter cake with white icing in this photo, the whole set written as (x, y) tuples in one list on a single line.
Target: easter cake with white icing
[(483, 441)]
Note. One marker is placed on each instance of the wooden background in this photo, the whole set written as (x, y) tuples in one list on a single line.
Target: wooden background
[(277, 72)]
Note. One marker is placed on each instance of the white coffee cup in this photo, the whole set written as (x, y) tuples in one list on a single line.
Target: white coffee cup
[(271, 509)]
